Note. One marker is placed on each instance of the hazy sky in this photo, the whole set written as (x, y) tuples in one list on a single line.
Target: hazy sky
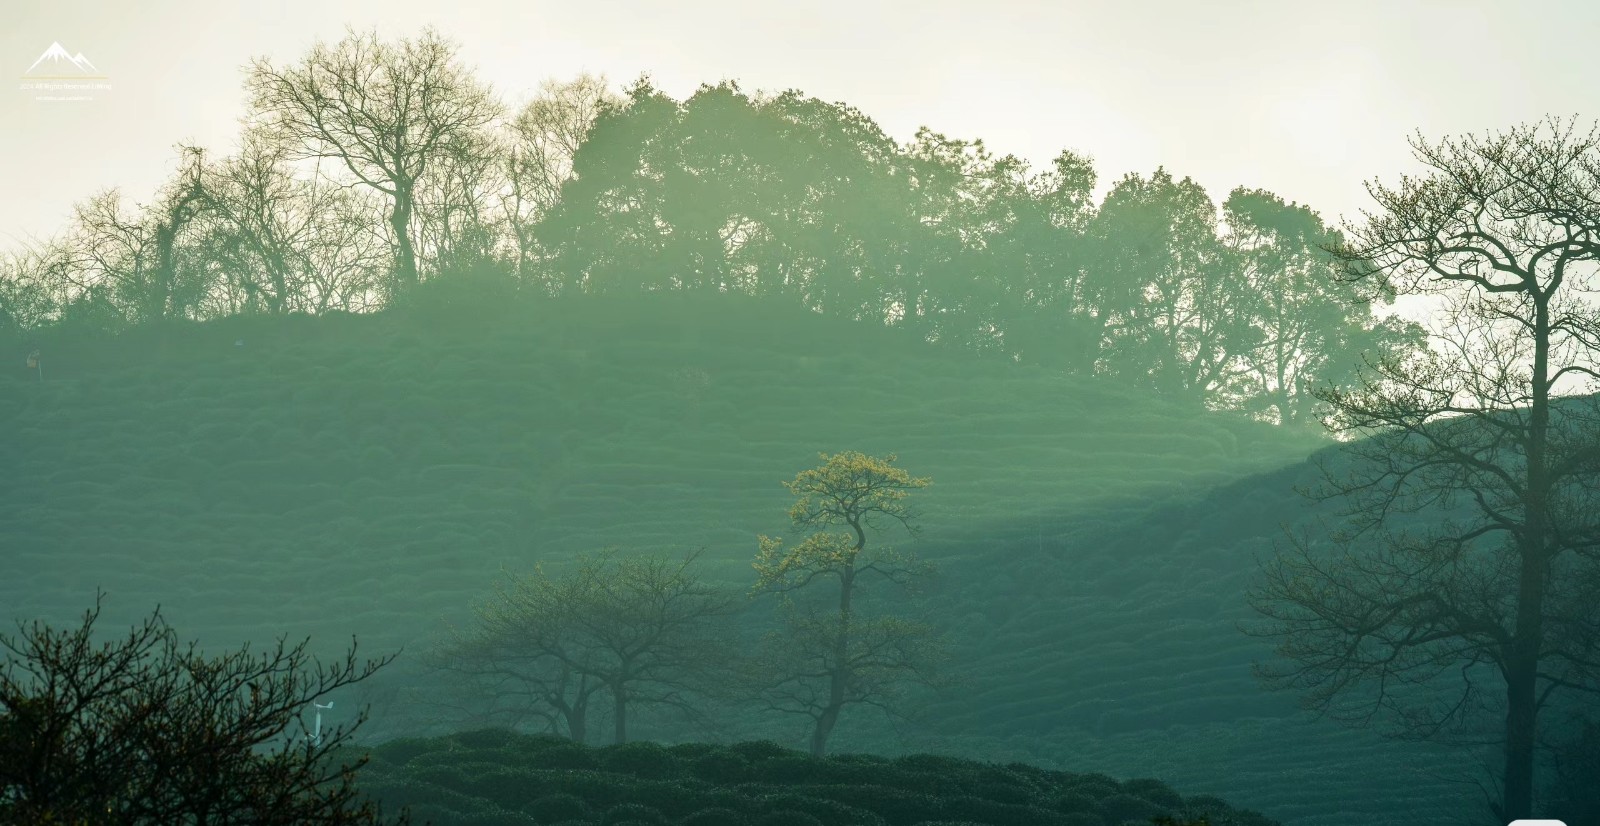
[(1305, 99)]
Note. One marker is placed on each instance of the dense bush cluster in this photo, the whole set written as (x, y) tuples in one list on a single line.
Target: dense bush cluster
[(498, 778)]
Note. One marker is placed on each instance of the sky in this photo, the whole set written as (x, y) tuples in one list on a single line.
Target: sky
[(1308, 100)]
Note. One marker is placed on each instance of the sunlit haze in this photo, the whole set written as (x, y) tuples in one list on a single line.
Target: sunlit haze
[(1304, 99)]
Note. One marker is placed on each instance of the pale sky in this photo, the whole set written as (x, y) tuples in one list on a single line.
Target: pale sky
[(1305, 99)]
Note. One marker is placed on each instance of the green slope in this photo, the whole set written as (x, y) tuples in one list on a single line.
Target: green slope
[(370, 475)]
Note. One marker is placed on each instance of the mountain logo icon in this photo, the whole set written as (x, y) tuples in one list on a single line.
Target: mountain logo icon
[(58, 62)]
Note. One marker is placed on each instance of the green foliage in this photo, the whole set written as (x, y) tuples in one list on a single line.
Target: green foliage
[(553, 808), (848, 790), (1154, 791), (722, 767), (787, 817), (569, 756), (715, 817), (1122, 807), (643, 759), (631, 813)]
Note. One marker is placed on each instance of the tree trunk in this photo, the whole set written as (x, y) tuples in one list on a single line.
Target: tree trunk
[(405, 264), (619, 697), (824, 727), (576, 716), (839, 676), (1522, 660)]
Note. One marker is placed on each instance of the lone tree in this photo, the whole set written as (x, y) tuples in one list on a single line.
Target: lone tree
[(833, 654), (391, 113), (143, 731), (1463, 581), (642, 629)]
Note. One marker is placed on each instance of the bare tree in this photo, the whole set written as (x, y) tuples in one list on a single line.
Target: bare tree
[(455, 206), (537, 151), (137, 253), (285, 241), (641, 628), (492, 674), (1473, 534), (390, 112), (144, 731), (34, 285)]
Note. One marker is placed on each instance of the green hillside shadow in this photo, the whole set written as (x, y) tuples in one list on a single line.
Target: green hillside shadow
[(370, 475)]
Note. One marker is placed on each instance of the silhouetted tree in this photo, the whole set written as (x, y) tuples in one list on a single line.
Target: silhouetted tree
[(537, 150), (392, 113), (1496, 589), (833, 653), (642, 628), (138, 256), (145, 731), (1174, 315), (1311, 328)]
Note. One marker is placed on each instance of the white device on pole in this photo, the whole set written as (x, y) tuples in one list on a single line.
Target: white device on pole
[(316, 733)]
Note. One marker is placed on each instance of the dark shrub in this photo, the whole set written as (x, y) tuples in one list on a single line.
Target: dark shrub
[(787, 817), (693, 751), (564, 756), (934, 764), (541, 740), (758, 750), (717, 816), (509, 787), (721, 767), (830, 812), (641, 759), (400, 751), (434, 813), (868, 759), (601, 790), (897, 807), (1154, 791), (997, 814), (672, 798), (495, 817), (1120, 808), (485, 738), (1251, 817), (1001, 786), (788, 769), (631, 813), (1083, 819), (1073, 802), (559, 806)]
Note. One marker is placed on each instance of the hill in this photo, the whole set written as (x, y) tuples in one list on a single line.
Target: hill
[(370, 475)]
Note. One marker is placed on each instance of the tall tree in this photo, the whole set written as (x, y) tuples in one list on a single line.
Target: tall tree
[(1312, 327), (538, 148), (836, 652), (390, 112), (1473, 543), (1173, 312)]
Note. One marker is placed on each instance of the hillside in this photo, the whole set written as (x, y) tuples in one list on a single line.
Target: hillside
[(369, 475)]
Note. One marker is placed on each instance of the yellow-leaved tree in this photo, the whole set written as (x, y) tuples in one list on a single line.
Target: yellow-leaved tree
[(835, 652)]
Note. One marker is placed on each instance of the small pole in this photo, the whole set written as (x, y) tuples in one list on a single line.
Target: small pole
[(36, 363)]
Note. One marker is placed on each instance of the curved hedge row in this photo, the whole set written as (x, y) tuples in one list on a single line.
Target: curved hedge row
[(494, 777)]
